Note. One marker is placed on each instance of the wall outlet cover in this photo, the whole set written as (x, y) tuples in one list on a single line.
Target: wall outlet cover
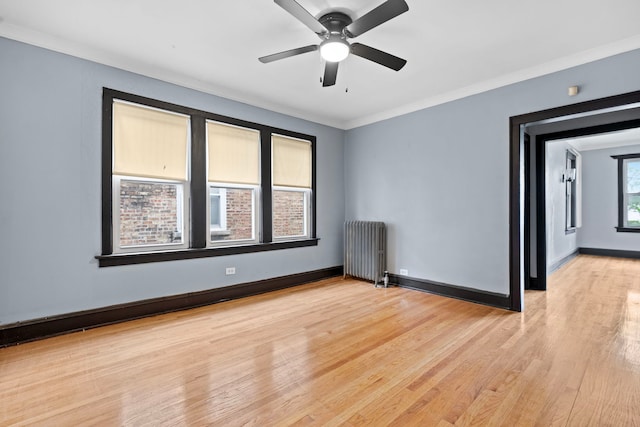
[(230, 270), (404, 272)]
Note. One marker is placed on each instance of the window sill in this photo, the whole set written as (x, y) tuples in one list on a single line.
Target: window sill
[(160, 256), (627, 230), (219, 234)]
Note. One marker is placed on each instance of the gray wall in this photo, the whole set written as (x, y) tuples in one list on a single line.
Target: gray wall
[(440, 176), (600, 201), (50, 140), (559, 244)]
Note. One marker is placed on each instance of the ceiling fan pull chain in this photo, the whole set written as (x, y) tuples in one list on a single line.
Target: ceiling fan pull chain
[(345, 76)]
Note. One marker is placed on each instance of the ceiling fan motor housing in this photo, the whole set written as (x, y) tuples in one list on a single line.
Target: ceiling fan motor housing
[(335, 22)]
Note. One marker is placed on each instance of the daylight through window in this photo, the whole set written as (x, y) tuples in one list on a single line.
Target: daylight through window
[(631, 186)]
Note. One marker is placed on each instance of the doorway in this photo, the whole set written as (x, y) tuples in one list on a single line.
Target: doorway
[(526, 204)]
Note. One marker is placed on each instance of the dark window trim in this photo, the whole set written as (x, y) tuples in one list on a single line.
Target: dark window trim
[(198, 184), (627, 230), (194, 253), (621, 227)]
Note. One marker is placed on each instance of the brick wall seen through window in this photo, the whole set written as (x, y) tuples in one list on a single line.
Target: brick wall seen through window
[(148, 213)]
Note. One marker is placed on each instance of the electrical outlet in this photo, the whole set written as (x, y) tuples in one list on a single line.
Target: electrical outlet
[(404, 272), (230, 270)]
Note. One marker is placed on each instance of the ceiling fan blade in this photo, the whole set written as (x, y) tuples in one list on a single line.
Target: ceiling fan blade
[(381, 14), (378, 56), (287, 53), (330, 74), (302, 15)]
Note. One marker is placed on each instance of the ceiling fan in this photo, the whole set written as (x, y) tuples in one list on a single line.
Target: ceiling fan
[(334, 28)]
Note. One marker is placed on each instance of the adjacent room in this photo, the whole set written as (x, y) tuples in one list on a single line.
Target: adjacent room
[(182, 185)]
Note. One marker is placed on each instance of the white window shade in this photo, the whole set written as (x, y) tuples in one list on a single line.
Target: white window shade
[(291, 162), (149, 143), (234, 154)]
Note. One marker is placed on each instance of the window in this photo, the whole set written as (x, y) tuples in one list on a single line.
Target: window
[(628, 192), (233, 172), (291, 187), (179, 183), (149, 178), (570, 176)]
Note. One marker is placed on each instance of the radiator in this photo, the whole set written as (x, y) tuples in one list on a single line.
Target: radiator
[(365, 250)]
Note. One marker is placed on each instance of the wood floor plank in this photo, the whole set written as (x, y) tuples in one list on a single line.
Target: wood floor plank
[(343, 353)]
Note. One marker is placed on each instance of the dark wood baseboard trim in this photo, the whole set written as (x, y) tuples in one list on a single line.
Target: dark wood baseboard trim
[(610, 252), (46, 327), (534, 284), (556, 265), (452, 291)]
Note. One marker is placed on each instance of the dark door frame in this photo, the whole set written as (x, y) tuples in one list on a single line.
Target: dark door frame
[(527, 212), (517, 163), (540, 283)]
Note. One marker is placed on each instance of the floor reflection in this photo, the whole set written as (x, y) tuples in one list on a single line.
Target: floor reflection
[(629, 336)]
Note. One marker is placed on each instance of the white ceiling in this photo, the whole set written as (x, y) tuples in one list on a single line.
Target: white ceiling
[(606, 140), (454, 48)]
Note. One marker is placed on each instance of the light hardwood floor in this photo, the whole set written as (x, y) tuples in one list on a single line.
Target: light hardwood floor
[(344, 353)]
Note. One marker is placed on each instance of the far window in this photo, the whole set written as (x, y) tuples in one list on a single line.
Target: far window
[(628, 192)]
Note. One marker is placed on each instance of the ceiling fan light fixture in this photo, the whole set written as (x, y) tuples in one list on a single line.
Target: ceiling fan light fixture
[(334, 49)]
